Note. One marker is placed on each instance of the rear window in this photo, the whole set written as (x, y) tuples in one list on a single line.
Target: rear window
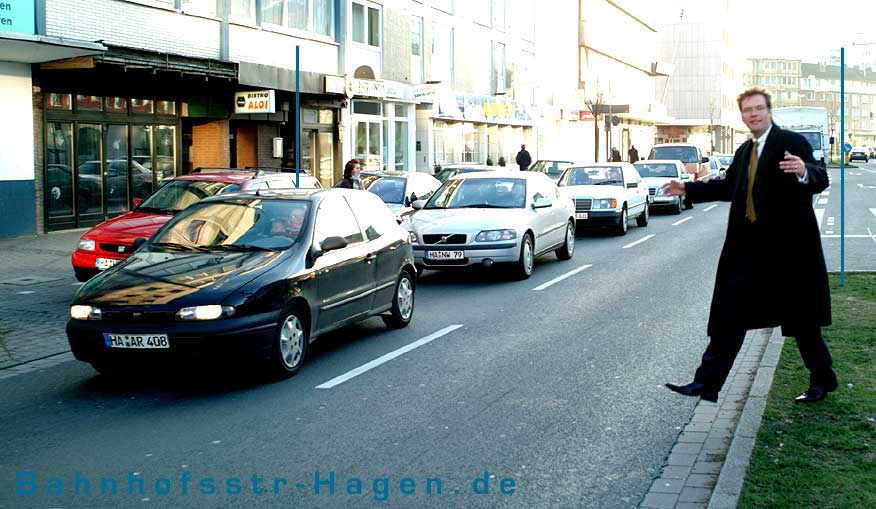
[(683, 154), (814, 140)]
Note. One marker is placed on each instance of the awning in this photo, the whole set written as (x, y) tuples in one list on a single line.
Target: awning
[(34, 49), (279, 78)]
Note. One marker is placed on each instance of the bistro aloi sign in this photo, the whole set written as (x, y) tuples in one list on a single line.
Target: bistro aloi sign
[(258, 101)]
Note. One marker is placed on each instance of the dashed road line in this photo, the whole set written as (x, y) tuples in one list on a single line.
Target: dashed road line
[(873, 211), (822, 201), (871, 235), (710, 207), (682, 220), (819, 215), (643, 239), (387, 357), (560, 278)]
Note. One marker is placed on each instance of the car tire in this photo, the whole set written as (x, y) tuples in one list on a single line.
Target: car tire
[(420, 270), (290, 343), (679, 206), (642, 220), (524, 265), (402, 302), (83, 275), (568, 249), (623, 225)]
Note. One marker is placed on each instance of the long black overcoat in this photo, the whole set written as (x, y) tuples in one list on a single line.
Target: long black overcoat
[(771, 273)]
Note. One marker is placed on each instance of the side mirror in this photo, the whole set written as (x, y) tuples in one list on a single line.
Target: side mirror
[(418, 204), (704, 160), (333, 243), (632, 185), (137, 202), (139, 241), (541, 203)]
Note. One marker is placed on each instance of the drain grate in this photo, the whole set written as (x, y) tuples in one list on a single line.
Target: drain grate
[(29, 280)]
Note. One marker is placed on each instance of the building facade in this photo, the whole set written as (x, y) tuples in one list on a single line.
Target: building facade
[(820, 86), (781, 77)]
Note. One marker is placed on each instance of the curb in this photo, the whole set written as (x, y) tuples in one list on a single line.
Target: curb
[(730, 481)]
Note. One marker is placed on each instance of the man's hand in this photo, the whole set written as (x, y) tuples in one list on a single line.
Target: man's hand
[(793, 164), (674, 188)]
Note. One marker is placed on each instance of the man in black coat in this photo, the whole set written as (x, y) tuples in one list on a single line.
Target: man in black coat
[(523, 158), (771, 271), (633, 153)]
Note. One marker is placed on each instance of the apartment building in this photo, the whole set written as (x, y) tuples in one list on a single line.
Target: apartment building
[(820, 86), (780, 76)]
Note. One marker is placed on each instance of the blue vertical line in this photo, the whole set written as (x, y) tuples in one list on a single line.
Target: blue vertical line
[(843, 167), (297, 116)]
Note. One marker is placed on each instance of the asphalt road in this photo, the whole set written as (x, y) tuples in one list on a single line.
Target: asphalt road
[(554, 393), (860, 218)]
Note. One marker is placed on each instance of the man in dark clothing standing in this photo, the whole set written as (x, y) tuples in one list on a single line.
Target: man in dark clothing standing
[(633, 153), (615, 155), (771, 271), (523, 158)]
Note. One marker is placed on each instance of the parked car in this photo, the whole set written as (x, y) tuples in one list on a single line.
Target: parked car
[(859, 153), (687, 153), (872, 152), (398, 189), (249, 276), (718, 164), (552, 168), (452, 170), (113, 240), (606, 195), (487, 218), (656, 173)]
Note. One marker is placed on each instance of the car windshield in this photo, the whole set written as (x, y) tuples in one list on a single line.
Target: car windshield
[(725, 161), (814, 140), (177, 195), (652, 170), (235, 225), (683, 154), (389, 189), (505, 193), (593, 176), (538, 166)]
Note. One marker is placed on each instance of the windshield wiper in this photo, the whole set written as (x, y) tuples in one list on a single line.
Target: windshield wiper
[(181, 247), (238, 247), (483, 206), (154, 209), (608, 183)]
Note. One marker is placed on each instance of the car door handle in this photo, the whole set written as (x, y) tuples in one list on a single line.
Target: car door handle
[(370, 257)]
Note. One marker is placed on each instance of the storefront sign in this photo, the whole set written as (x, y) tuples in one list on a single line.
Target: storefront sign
[(259, 101), (369, 88), (425, 93), (17, 16), (334, 85), (396, 90), (479, 108)]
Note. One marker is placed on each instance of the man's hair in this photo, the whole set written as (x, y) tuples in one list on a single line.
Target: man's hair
[(348, 168), (753, 91)]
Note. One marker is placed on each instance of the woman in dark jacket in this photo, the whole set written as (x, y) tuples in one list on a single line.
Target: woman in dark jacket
[(351, 175)]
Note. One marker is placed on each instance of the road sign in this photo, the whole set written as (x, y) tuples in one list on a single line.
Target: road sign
[(847, 148)]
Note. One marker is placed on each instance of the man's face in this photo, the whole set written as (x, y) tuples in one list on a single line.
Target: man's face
[(755, 113)]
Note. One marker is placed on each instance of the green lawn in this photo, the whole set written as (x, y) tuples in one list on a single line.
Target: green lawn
[(823, 455)]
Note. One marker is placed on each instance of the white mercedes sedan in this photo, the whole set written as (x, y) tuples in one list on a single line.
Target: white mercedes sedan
[(494, 217)]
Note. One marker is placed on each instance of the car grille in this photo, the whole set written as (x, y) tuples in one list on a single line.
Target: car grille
[(114, 248), (583, 205), (458, 238), (652, 191)]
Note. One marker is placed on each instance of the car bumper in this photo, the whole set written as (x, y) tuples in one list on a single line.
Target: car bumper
[(599, 218), (92, 260), (239, 337), (855, 158), (663, 201), (473, 254)]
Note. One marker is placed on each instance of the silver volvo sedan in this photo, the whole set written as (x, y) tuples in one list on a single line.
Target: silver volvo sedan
[(492, 217)]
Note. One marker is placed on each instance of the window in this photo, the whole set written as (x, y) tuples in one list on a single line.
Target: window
[(88, 102), (200, 6), (141, 106), (59, 102), (416, 49), (116, 104), (442, 54), (165, 107), (335, 219), (366, 25), (311, 15), (498, 68), (243, 10)]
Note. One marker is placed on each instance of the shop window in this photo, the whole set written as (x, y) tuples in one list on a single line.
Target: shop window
[(401, 111), (326, 117), (165, 107), (367, 107), (116, 104), (88, 102), (59, 102), (141, 106), (59, 169), (308, 116)]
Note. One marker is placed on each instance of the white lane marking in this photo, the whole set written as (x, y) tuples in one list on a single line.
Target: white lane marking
[(387, 357), (822, 201), (560, 278), (861, 186), (643, 239), (829, 232), (825, 193), (819, 215), (847, 236), (710, 207), (26, 292), (871, 171), (683, 220), (873, 211), (871, 235)]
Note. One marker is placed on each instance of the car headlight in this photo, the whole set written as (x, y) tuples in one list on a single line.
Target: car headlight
[(86, 244), (494, 235), (604, 203), (413, 237), (79, 312), (210, 312)]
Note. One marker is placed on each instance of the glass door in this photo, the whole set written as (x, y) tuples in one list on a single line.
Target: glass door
[(141, 161), (89, 174), (59, 174), (326, 151), (117, 169)]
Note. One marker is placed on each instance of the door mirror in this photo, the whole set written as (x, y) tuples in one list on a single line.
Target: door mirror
[(139, 241), (333, 243), (541, 203), (704, 160), (418, 204), (137, 202)]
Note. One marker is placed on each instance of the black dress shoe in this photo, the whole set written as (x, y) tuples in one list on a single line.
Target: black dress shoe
[(695, 389), (813, 394)]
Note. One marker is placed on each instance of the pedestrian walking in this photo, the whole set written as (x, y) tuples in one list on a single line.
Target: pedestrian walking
[(633, 153), (615, 155), (352, 172), (523, 158), (771, 271)]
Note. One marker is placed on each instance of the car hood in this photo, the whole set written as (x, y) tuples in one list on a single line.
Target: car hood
[(470, 221), (592, 191), (156, 278), (127, 227), (658, 181)]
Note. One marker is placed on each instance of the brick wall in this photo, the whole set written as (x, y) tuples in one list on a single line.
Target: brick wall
[(38, 159), (210, 146)]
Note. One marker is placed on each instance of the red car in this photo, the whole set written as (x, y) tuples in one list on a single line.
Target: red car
[(113, 240)]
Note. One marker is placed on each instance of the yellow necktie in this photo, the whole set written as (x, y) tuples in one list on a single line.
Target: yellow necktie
[(752, 171)]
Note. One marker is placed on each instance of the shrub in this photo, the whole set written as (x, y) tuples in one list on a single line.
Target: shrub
[(501, 160)]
